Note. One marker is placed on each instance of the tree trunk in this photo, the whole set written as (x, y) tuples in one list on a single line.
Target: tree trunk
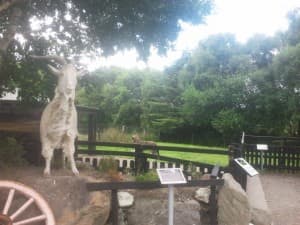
[(9, 32)]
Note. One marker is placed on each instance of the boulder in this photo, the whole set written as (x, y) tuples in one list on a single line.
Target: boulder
[(96, 210), (202, 194), (125, 199), (233, 203), (260, 212)]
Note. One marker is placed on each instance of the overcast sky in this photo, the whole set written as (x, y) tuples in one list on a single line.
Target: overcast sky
[(244, 18)]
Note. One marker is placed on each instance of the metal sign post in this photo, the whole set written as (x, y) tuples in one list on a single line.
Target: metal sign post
[(171, 204), (171, 176)]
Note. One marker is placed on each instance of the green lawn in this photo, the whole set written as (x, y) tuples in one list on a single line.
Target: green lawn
[(221, 160)]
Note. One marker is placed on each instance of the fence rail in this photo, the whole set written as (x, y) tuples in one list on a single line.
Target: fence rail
[(139, 160), (115, 186)]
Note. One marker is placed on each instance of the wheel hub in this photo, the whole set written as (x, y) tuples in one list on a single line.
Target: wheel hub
[(5, 220)]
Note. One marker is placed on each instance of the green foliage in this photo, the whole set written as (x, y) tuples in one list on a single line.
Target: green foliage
[(161, 102), (11, 152), (149, 176), (219, 90), (292, 36), (129, 114), (210, 95), (109, 166), (228, 123), (76, 27), (115, 135)]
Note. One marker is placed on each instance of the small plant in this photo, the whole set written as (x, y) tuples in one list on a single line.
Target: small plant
[(11, 152), (109, 166), (149, 176), (192, 171)]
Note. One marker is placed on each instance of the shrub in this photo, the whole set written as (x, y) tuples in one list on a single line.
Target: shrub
[(115, 135), (11, 152), (149, 176), (110, 166)]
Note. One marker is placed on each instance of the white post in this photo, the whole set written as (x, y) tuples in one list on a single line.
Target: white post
[(243, 138), (171, 204), (261, 159)]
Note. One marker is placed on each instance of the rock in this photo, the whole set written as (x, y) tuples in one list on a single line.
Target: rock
[(202, 194), (125, 199), (260, 211), (233, 203), (205, 176), (96, 210)]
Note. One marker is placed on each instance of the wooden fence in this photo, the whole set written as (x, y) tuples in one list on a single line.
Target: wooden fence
[(284, 157), (136, 158), (115, 186), (22, 122)]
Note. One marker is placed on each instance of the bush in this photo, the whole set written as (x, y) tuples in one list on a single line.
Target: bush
[(115, 135), (110, 166), (149, 176), (11, 152)]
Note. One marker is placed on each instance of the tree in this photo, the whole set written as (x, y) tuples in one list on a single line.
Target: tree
[(229, 123), (77, 27), (160, 103), (262, 49), (292, 35), (286, 69)]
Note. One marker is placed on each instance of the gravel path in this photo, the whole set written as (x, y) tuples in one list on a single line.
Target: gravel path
[(282, 192)]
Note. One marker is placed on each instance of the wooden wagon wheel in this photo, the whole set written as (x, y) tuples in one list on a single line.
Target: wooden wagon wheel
[(9, 213)]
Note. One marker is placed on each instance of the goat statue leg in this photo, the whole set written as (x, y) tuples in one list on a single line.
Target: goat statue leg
[(69, 150), (47, 153)]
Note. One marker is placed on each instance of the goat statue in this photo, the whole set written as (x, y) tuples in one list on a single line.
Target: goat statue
[(58, 125)]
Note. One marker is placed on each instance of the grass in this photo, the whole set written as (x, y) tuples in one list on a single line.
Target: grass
[(221, 160), (188, 146), (212, 159)]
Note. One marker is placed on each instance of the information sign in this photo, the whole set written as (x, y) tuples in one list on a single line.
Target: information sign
[(246, 166), (171, 176), (262, 147)]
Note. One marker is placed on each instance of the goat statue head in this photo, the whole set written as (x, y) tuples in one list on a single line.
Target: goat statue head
[(66, 74)]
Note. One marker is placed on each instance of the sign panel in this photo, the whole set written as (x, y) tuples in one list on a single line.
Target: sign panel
[(246, 166), (262, 147), (171, 176)]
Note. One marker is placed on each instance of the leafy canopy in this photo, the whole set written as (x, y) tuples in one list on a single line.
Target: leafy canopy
[(74, 27)]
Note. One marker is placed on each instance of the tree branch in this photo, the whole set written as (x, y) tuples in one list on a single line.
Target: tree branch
[(8, 3), (56, 58), (10, 32)]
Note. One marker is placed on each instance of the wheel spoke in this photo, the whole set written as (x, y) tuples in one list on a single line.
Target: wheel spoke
[(22, 208), (8, 201), (31, 220), (32, 198)]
